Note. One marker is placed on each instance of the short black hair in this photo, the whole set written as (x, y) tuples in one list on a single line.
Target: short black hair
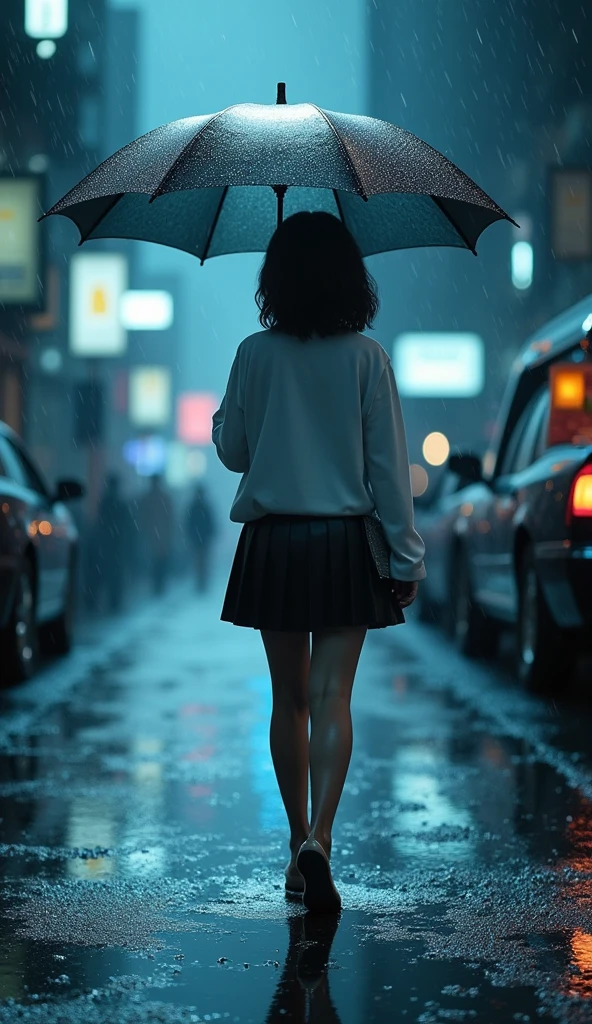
[(313, 279)]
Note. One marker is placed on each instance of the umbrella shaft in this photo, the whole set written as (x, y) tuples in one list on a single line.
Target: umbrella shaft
[(280, 191)]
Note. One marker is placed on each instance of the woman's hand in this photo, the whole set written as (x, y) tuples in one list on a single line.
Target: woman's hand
[(405, 591)]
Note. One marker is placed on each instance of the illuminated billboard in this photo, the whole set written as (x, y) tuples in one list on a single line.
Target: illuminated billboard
[(20, 255), (194, 416), (150, 396), (443, 365), (97, 283), (146, 310)]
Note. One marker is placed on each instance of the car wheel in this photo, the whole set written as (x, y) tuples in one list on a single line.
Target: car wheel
[(475, 634), (19, 641), (544, 654), (57, 635)]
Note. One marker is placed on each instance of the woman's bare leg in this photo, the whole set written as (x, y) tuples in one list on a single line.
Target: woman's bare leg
[(334, 660), (288, 654)]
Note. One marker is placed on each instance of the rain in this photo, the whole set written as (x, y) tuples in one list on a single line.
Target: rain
[(169, 488)]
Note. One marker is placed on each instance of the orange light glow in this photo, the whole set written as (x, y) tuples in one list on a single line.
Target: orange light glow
[(32, 528), (581, 949), (541, 346), (569, 390), (466, 509), (581, 503), (45, 528), (6, 508)]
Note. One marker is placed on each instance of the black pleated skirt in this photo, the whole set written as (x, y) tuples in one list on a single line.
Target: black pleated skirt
[(306, 573)]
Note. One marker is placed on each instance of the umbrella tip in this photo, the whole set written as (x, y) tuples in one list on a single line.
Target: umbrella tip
[(281, 93)]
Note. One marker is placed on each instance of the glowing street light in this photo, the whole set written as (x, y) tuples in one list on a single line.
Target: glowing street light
[(522, 265), (436, 448), (46, 20)]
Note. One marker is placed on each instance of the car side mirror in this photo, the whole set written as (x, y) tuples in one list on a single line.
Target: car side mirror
[(467, 466), (68, 490)]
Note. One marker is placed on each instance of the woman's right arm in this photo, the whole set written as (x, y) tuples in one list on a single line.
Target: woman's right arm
[(387, 465)]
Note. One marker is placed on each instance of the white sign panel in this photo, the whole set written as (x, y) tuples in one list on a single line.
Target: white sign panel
[(444, 365), (571, 214), (46, 19), (150, 396), (97, 282), (147, 310), (19, 241)]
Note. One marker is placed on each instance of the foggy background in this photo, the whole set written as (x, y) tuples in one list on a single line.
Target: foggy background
[(501, 88)]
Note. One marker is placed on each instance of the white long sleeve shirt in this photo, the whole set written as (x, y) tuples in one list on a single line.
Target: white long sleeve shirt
[(316, 428)]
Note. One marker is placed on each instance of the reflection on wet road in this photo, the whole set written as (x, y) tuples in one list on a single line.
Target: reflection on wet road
[(143, 840)]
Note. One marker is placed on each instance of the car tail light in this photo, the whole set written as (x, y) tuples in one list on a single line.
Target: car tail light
[(580, 498)]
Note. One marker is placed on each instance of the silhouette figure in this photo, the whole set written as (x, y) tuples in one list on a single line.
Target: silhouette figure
[(112, 539), (155, 516), (201, 532)]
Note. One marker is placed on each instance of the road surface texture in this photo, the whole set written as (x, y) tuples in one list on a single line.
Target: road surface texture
[(143, 840)]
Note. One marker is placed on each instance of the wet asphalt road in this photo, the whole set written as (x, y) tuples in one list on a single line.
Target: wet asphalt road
[(143, 839)]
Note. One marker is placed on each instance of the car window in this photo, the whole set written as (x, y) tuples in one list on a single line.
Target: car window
[(19, 467), (514, 443), (541, 441), (521, 447), (525, 454)]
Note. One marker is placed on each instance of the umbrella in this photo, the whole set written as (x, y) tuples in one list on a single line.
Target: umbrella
[(220, 183)]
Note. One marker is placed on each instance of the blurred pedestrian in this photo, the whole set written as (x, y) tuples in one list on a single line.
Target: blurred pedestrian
[(311, 418), (111, 543), (201, 532), (155, 518)]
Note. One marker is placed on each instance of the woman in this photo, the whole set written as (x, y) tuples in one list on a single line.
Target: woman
[(311, 418)]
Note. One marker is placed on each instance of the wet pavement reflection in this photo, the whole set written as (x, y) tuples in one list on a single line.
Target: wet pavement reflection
[(143, 839)]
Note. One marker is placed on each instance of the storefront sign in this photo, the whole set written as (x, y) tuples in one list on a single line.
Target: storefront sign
[(194, 417), (146, 454), (442, 365), (150, 396), (97, 282), (147, 310), (20, 256), (570, 421)]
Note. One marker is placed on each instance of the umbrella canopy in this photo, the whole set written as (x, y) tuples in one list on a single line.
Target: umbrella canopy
[(213, 184)]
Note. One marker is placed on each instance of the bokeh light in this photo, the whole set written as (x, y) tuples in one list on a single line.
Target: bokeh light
[(436, 448), (419, 480)]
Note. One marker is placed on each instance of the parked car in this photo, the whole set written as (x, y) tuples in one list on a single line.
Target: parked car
[(509, 537), (38, 544)]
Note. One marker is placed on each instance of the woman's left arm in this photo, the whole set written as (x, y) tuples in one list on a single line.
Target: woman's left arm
[(228, 433)]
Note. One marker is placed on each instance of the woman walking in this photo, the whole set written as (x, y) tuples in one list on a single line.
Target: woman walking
[(311, 418)]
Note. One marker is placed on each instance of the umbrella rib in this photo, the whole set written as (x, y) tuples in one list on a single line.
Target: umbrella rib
[(114, 201), (458, 230), (338, 205), (214, 225), (344, 150), (177, 160)]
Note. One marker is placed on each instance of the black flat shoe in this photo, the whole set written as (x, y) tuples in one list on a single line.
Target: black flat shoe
[(320, 894)]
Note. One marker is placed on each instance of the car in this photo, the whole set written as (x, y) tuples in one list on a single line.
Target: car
[(509, 537), (38, 548)]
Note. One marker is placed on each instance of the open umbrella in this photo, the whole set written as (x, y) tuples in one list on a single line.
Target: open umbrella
[(220, 183)]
